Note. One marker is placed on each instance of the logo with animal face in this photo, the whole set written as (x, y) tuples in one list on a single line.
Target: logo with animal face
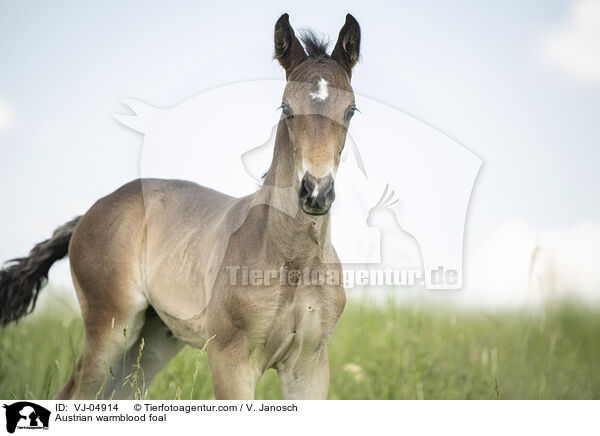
[(26, 415)]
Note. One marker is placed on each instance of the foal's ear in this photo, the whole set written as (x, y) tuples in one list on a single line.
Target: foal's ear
[(347, 47), (288, 50)]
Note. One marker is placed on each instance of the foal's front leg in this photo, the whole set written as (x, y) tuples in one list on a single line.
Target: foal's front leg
[(233, 375), (307, 378)]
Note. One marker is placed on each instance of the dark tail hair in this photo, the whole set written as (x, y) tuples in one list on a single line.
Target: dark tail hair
[(22, 279)]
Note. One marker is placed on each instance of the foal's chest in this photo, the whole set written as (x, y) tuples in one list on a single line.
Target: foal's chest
[(300, 320)]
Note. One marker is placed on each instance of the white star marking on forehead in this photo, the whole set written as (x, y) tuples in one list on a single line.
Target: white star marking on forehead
[(322, 91)]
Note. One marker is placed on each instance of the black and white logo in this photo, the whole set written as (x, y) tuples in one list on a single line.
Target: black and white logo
[(26, 415)]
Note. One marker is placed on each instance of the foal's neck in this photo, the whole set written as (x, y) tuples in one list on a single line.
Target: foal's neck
[(297, 236)]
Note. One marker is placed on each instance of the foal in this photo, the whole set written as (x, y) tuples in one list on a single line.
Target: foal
[(168, 260)]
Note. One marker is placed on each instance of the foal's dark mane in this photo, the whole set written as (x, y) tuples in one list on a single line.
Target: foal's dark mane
[(315, 45)]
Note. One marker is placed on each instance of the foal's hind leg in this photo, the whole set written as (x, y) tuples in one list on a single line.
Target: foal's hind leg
[(160, 346), (106, 341), (112, 322)]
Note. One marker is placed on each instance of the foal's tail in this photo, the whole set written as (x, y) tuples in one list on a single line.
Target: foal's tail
[(22, 279)]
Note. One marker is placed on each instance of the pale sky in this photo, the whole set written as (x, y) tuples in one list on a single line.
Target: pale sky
[(516, 83)]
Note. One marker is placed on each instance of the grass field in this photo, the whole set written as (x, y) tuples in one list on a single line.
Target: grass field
[(380, 351)]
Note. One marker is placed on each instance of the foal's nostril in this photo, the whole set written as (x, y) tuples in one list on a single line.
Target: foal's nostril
[(307, 187), (329, 192), (326, 193)]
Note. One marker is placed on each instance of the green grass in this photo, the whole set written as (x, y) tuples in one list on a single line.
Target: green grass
[(376, 352)]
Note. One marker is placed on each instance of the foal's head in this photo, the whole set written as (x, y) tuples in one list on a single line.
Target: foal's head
[(317, 105)]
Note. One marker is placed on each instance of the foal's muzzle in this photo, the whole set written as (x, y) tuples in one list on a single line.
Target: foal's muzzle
[(316, 195)]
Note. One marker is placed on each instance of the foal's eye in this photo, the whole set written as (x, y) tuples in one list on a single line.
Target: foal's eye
[(350, 112), (286, 110)]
